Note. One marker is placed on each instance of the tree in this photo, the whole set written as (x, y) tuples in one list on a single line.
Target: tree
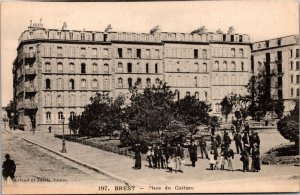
[(279, 108), (74, 123), (191, 112), (288, 126), (226, 107)]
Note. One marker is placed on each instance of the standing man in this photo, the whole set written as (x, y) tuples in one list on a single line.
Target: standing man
[(8, 169), (49, 128), (193, 152), (179, 156), (214, 147), (168, 152), (137, 157), (245, 140), (227, 140), (202, 144), (238, 142)]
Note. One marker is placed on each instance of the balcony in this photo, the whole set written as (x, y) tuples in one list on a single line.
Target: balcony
[(30, 71), (30, 88), (29, 105), (29, 55)]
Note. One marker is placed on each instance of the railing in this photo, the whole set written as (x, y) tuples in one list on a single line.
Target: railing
[(30, 71), (30, 105), (29, 54)]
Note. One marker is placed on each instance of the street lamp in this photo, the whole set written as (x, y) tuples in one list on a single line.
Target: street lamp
[(64, 150)]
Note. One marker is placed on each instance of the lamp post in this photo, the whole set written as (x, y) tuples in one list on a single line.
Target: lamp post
[(64, 150)]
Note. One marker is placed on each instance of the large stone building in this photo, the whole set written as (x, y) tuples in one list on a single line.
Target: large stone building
[(57, 70), (279, 59)]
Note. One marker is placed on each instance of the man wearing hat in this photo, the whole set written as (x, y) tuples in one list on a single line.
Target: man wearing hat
[(193, 152), (179, 156), (238, 142), (214, 147), (202, 144), (245, 158), (8, 169)]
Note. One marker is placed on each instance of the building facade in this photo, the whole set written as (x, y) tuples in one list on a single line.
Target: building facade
[(58, 70), (279, 60)]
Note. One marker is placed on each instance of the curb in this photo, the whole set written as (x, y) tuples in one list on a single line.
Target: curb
[(96, 169)]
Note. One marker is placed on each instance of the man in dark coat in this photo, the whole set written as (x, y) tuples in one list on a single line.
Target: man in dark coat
[(238, 142), (157, 157), (219, 140), (227, 140), (179, 156), (8, 169), (256, 140), (202, 144), (193, 152), (168, 150), (245, 158), (137, 156), (214, 147), (246, 140)]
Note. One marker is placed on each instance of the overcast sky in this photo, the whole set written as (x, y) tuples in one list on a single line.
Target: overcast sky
[(260, 19)]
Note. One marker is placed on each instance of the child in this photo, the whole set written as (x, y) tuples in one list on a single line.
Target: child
[(217, 163), (223, 161), (171, 163), (211, 160), (230, 157)]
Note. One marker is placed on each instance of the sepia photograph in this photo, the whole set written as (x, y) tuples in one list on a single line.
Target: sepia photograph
[(150, 97)]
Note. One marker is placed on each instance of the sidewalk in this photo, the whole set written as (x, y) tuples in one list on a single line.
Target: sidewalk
[(121, 166)]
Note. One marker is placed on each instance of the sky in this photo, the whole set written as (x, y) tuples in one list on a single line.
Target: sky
[(261, 19)]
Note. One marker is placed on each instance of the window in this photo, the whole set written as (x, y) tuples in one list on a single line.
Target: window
[(178, 94), (217, 107), (71, 84), (72, 100), (120, 52), (129, 82), (138, 53), (205, 95), (156, 68), (59, 100), (59, 35), (48, 117), (233, 67), (72, 115), (232, 52), (197, 95), (157, 81), (224, 37), (47, 51), (297, 53), (129, 52), (241, 51), (242, 66), (157, 54), (71, 51), (94, 84), (59, 52), (292, 92), (82, 36), (297, 65), (47, 34), (95, 68), (291, 53), (94, 52), (105, 84), (240, 38), (291, 66), (187, 94), (204, 53), (216, 66), (129, 68), (83, 52), (60, 117), (231, 38), (204, 67), (148, 82), (278, 42), (147, 68), (105, 53), (297, 92), (139, 82), (60, 85), (267, 43), (72, 67), (71, 36), (104, 37), (225, 65), (83, 68), (297, 79), (47, 67), (59, 67), (147, 53), (195, 53), (292, 78), (120, 82), (106, 69), (48, 84), (83, 83), (120, 67)]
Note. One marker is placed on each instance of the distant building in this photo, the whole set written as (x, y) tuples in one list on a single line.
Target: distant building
[(57, 71), (279, 59)]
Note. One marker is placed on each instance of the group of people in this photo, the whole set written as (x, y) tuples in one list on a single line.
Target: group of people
[(165, 156)]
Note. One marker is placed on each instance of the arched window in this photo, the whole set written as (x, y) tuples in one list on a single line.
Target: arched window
[(60, 100), (95, 68), (156, 68), (120, 67), (47, 67), (59, 67), (60, 84), (148, 82), (157, 81), (120, 82), (147, 68), (242, 66), (197, 95), (106, 69), (204, 67), (48, 84), (225, 65), (94, 84), (83, 68), (72, 67), (205, 95), (83, 83), (225, 80), (72, 84), (233, 67), (216, 66), (297, 92), (138, 67), (72, 115), (60, 117), (129, 82), (129, 67), (292, 92), (139, 82), (187, 94), (197, 67), (48, 117)]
